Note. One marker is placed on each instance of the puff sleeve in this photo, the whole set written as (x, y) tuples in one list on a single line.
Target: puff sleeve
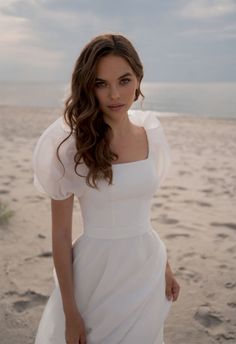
[(49, 176), (161, 149)]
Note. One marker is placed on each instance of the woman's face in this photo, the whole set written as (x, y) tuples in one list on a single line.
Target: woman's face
[(115, 85)]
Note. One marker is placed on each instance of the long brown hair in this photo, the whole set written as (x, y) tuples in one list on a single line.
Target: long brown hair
[(82, 112)]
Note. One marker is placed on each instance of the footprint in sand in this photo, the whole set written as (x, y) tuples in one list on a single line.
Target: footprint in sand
[(165, 187), (168, 221), (11, 177), (41, 236), (210, 168), (231, 249), (157, 205), (180, 188), (227, 336), (207, 190), (230, 285), (182, 173), (39, 198), (175, 235), (215, 325), (230, 225), (164, 196), (45, 254), (207, 317), (31, 299), (3, 192), (223, 266), (222, 235), (188, 274), (202, 204), (189, 254), (232, 304)]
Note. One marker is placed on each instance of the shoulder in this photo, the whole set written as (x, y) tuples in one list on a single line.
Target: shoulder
[(148, 119), (55, 131), (51, 137), (50, 176), (151, 122)]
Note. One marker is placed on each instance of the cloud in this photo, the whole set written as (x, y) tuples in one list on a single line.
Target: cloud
[(14, 30), (42, 38), (207, 9), (55, 26), (24, 50), (223, 32)]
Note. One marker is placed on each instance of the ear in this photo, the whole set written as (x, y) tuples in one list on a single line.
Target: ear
[(137, 91), (138, 84)]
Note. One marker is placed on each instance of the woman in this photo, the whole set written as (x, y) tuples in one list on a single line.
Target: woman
[(113, 284)]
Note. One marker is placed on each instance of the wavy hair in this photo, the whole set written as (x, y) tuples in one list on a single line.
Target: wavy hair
[(82, 112)]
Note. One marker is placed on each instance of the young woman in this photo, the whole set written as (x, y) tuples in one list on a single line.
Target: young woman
[(113, 284)]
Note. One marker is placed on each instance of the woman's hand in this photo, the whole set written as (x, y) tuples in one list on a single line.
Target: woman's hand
[(75, 332), (172, 286)]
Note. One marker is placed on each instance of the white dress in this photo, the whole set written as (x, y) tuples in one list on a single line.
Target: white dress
[(119, 260)]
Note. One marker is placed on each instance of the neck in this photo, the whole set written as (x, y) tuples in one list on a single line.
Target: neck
[(119, 127)]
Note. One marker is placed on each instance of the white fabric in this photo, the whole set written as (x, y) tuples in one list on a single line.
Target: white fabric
[(119, 260)]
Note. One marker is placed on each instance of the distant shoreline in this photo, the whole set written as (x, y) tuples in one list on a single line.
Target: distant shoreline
[(216, 100), (55, 109)]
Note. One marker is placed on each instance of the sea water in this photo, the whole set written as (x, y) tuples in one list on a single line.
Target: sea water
[(168, 99)]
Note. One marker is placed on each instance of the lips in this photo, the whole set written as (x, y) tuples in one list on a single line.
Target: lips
[(115, 106)]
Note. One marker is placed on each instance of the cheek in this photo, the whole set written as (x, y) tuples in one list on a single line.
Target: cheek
[(130, 90), (100, 96)]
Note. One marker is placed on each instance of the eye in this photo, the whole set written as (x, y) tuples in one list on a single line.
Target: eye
[(125, 81), (100, 84)]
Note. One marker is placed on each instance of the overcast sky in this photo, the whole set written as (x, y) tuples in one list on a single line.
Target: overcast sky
[(177, 40)]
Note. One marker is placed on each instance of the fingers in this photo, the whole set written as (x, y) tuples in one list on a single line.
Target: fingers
[(168, 291), (172, 290), (82, 340), (175, 291), (83, 335)]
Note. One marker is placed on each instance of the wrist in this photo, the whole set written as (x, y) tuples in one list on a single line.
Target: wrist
[(70, 310)]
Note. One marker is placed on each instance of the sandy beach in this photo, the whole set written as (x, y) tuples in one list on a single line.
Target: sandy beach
[(194, 214)]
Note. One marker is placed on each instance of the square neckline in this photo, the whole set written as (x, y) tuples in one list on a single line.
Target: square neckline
[(140, 160)]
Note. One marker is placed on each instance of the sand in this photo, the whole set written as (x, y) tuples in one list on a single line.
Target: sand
[(194, 213)]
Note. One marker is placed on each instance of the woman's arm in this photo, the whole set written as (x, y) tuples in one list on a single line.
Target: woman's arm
[(61, 213)]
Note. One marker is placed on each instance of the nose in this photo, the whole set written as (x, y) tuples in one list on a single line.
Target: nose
[(114, 93)]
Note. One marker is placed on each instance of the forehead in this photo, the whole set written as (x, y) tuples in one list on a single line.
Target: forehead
[(112, 66)]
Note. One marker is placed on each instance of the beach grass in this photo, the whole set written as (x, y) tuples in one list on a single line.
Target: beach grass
[(5, 214)]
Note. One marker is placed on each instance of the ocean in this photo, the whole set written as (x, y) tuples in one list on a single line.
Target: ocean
[(168, 99)]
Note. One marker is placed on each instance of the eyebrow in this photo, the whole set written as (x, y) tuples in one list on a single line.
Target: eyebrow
[(122, 76)]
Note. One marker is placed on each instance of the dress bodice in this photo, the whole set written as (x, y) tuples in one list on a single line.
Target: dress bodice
[(124, 206)]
